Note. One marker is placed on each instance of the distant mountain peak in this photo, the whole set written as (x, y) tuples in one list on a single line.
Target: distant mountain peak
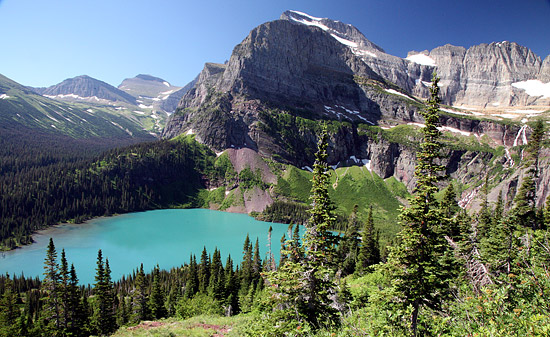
[(146, 77), (84, 87)]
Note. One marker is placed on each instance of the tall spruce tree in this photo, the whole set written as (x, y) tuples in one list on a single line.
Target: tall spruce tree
[(369, 252), (51, 311), (104, 314), (156, 300), (140, 308), (9, 313), (414, 262)]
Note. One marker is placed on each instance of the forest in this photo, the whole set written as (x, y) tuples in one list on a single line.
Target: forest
[(447, 273)]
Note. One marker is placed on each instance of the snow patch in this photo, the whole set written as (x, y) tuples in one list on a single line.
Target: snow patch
[(420, 125), (143, 106), (306, 15), (453, 111), (139, 112), (227, 192), (395, 92), (219, 153), (360, 52), (190, 132), (90, 111), (525, 111), (315, 23), (344, 41), (450, 129), (421, 59), (53, 126), (4, 96), (534, 88), (307, 168), (166, 83), (334, 167)]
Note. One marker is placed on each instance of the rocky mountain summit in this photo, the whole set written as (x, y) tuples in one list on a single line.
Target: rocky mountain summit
[(154, 93), (86, 89), (289, 74)]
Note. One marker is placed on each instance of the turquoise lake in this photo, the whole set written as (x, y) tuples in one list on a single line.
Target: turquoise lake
[(163, 237)]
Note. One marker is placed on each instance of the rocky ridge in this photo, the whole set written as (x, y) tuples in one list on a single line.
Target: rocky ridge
[(288, 74)]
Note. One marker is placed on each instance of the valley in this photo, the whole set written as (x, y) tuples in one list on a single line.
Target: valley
[(420, 184)]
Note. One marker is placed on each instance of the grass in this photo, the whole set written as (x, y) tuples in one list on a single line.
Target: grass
[(197, 326)]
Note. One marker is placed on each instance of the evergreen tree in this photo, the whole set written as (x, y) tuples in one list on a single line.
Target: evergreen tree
[(51, 311), (369, 252), (140, 309), (104, 314), (9, 313), (256, 263), (484, 216), (77, 317), (348, 249), (414, 262), (156, 300), (204, 271), (64, 291)]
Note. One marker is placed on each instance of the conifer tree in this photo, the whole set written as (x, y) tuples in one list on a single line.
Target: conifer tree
[(156, 300), (256, 262), (320, 243), (104, 315), (369, 252), (9, 313), (51, 312), (415, 261), (204, 271), (64, 290), (348, 249), (140, 309)]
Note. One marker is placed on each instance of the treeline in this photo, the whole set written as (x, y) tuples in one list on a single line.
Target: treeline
[(58, 306), (135, 178)]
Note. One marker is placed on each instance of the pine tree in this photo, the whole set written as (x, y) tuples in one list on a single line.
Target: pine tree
[(319, 243), (204, 271), (51, 312), (348, 249), (256, 263), (9, 313), (484, 216), (64, 291), (104, 315), (156, 300), (369, 252), (414, 262), (140, 309)]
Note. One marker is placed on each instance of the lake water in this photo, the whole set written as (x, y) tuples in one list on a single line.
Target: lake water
[(166, 237)]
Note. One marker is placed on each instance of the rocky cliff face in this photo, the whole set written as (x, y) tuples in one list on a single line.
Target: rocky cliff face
[(288, 74), (481, 75)]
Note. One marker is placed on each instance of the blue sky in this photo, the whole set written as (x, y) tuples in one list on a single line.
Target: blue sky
[(44, 42)]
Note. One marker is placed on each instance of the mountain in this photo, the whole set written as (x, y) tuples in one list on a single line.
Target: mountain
[(22, 109), (155, 93), (87, 89), (497, 74), (289, 74)]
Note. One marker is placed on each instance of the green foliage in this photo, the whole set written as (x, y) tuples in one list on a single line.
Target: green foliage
[(200, 304)]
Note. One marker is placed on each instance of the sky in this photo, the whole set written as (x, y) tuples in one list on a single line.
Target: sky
[(43, 42)]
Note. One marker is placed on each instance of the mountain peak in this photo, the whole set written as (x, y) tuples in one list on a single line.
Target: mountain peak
[(146, 77), (343, 32)]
